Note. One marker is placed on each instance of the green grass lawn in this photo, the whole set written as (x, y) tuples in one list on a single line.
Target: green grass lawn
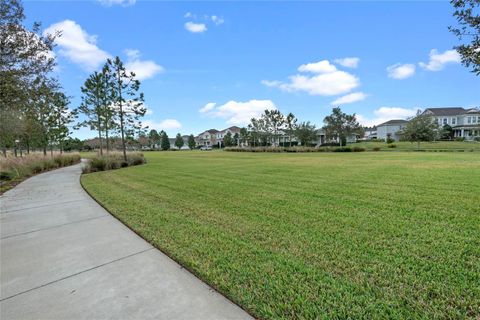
[(314, 235), (427, 146)]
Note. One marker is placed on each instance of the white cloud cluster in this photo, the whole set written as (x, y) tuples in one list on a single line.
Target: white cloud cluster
[(401, 71), (323, 79), (438, 60), (350, 98), (238, 113), (167, 124), (384, 114), (195, 27), (323, 66), (349, 62), (217, 20), (77, 45), (143, 69)]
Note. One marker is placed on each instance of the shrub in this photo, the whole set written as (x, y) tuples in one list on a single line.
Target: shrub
[(376, 148), (113, 161), (392, 145), (460, 139), (343, 149), (358, 149), (390, 140)]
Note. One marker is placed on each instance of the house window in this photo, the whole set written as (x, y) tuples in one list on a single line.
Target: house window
[(474, 119), (445, 120), (469, 120), (454, 120)]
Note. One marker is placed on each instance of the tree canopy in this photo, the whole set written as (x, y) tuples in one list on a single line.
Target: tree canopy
[(467, 13)]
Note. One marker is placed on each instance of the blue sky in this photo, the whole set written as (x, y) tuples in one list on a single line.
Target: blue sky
[(215, 64)]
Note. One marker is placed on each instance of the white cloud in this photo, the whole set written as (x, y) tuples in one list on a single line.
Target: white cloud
[(77, 45), (208, 107), (350, 98), (195, 27), (167, 124), (123, 3), (323, 66), (239, 113), (326, 81), (188, 15), (328, 84), (217, 20), (401, 71), (438, 60), (143, 69), (349, 62), (385, 114)]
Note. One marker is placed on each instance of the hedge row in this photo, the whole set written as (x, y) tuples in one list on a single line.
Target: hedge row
[(294, 149)]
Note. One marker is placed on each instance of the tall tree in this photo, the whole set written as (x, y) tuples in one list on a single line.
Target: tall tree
[(95, 104), (306, 133), (179, 141), (153, 138), (467, 13), (63, 117), (127, 100), (339, 125), (25, 55), (291, 123), (164, 141), (244, 135), (191, 142), (421, 128), (228, 140), (274, 120)]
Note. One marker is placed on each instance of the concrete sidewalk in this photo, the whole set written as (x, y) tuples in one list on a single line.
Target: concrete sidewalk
[(64, 257)]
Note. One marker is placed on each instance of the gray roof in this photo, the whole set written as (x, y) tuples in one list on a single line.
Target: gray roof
[(393, 122), (445, 111)]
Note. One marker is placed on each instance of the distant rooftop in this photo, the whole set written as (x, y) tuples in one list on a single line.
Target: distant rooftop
[(393, 122), (445, 111)]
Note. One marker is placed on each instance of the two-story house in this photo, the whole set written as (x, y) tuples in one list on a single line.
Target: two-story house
[(391, 129), (214, 137), (464, 122)]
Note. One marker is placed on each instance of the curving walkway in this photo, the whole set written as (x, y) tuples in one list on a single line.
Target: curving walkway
[(64, 257)]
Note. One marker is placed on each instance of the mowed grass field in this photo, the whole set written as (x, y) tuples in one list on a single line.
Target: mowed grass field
[(370, 235), (463, 146)]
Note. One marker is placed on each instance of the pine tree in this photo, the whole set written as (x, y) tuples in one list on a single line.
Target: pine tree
[(164, 141), (191, 142), (179, 141), (127, 101)]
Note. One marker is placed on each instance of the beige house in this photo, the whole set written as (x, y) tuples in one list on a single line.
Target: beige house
[(214, 137)]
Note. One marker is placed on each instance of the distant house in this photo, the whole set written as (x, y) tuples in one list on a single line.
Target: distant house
[(391, 129), (207, 138), (185, 143), (214, 137), (370, 133), (464, 122)]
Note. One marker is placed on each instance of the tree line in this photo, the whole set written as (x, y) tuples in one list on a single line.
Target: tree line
[(273, 126), (34, 109)]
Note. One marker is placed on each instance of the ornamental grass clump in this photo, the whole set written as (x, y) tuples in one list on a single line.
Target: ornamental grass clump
[(113, 161), (15, 169)]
